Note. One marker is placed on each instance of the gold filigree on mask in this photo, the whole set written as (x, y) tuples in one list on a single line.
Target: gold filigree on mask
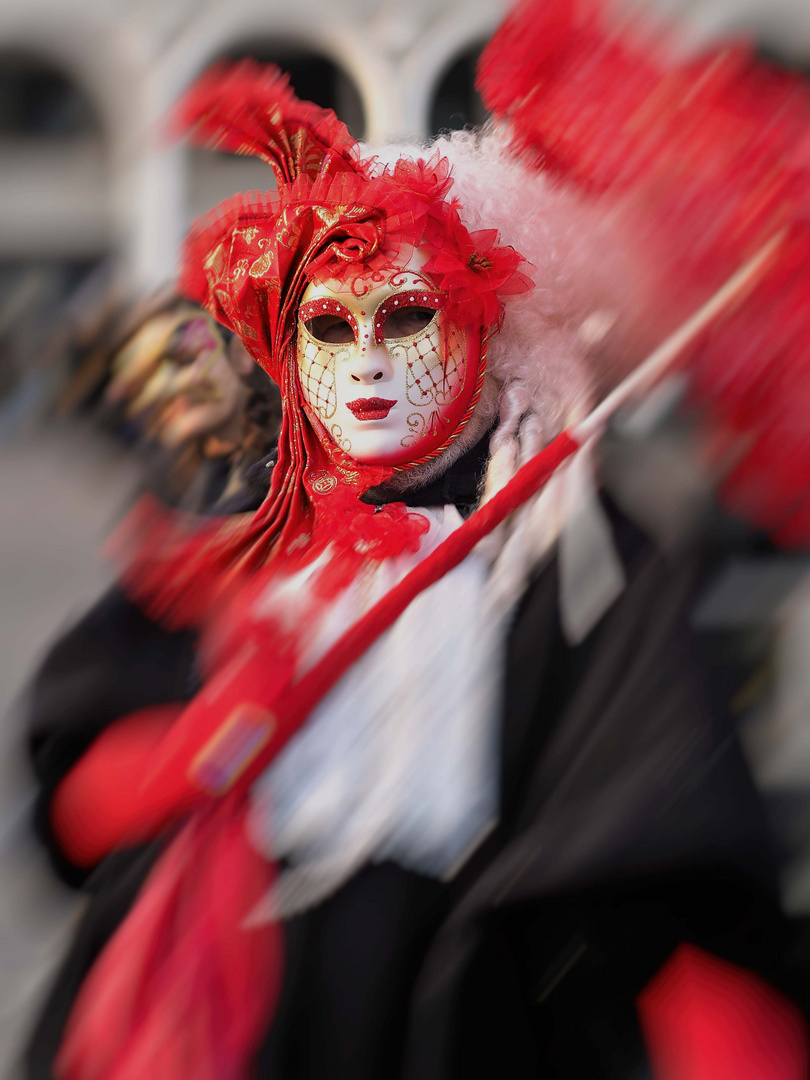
[(434, 375), (328, 217), (245, 330), (240, 269), (289, 231), (316, 366), (351, 476), (215, 263), (322, 482), (225, 301), (422, 427), (336, 431)]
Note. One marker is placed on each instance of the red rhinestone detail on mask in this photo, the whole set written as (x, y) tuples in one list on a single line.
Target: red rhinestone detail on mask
[(400, 301), (326, 305)]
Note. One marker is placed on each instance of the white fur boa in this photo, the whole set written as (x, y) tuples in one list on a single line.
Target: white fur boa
[(400, 760)]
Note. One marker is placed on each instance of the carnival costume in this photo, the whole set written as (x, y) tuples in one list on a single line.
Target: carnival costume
[(417, 709)]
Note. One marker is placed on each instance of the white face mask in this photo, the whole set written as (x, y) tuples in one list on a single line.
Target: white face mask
[(385, 373)]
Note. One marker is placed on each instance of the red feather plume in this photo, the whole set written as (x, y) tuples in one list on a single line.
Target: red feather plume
[(249, 108), (707, 159)]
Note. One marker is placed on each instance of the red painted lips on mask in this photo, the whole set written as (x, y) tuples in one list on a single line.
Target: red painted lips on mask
[(371, 408)]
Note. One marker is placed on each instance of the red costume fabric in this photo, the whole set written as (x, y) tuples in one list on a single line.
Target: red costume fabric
[(184, 986), (334, 217), (704, 1018)]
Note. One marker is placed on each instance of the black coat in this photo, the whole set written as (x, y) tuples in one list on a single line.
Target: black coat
[(628, 824)]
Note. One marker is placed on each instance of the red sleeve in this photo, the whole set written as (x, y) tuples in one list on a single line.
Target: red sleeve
[(100, 800), (705, 1019)]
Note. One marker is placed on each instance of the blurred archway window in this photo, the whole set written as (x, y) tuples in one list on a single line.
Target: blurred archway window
[(214, 176), (38, 100), (54, 195), (798, 64), (313, 77), (456, 103)]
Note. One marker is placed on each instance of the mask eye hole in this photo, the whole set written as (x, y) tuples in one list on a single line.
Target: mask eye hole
[(189, 342), (406, 321), (331, 330)]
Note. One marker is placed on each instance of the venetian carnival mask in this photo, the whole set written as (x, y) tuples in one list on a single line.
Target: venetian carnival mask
[(356, 286), (386, 373), (181, 385)]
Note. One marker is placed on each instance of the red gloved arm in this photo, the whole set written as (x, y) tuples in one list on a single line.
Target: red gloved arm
[(705, 1019), (100, 804)]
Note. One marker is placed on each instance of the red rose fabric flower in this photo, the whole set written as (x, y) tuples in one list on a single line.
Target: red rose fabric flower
[(475, 272)]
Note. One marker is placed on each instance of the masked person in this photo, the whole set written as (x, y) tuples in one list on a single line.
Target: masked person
[(193, 397), (513, 804)]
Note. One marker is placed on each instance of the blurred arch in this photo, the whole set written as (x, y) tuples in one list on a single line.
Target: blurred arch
[(38, 97), (167, 205), (456, 102), (462, 32), (213, 176), (335, 37), (55, 161), (108, 69), (314, 75)]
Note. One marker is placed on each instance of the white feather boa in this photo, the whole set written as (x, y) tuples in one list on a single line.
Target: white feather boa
[(400, 760)]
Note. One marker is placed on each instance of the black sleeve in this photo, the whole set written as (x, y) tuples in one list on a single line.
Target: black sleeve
[(624, 735), (654, 832), (113, 662), (115, 887), (629, 824)]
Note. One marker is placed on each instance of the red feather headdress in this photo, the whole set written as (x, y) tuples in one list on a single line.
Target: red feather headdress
[(709, 159), (334, 215)]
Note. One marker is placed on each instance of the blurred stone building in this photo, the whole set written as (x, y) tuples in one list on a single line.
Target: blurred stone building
[(83, 88), (91, 203), (91, 200)]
